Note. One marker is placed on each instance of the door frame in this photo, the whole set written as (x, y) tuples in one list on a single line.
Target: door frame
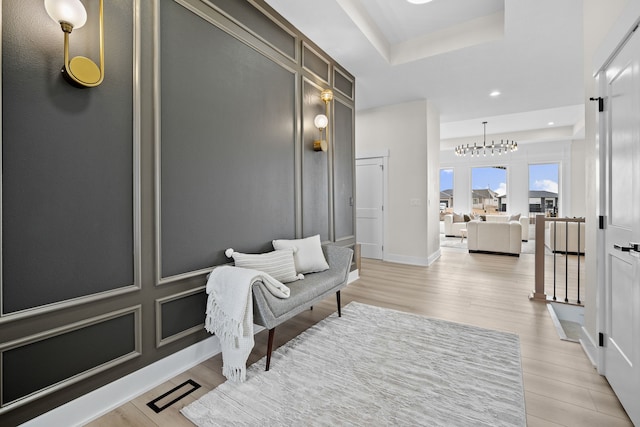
[(602, 127), (384, 155), (603, 146)]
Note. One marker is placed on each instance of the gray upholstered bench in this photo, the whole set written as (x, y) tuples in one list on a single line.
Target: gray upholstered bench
[(270, 311)]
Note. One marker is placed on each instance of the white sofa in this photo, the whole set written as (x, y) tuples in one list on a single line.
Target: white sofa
[(498, 237), (524, 224), (452, 229), (561, 245)]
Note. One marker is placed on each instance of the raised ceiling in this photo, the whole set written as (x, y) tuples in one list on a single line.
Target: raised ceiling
[(455, 53)]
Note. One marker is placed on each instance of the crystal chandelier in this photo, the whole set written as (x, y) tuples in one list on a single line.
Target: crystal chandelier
[(476, 149)]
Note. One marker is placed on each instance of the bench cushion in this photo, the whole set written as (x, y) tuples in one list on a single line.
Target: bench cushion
[(303, 291), (269, 311)]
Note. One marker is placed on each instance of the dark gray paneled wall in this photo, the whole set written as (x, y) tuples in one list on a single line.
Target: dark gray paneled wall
[(228, 158), (315, 180), (67, 177), (343, 152), (117, 200)]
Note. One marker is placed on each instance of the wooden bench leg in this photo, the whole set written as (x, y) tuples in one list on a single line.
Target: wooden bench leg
[(270, 346), (338, 300)]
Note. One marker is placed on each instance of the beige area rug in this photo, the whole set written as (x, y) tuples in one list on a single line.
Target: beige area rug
[(375, 366)]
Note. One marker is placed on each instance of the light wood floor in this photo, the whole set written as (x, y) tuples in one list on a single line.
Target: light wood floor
[(561, 386)]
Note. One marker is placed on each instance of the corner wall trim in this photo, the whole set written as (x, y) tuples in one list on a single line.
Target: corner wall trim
[(103, 400)]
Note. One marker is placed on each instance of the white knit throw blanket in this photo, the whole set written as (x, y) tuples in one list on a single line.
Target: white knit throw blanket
[(230, 314)]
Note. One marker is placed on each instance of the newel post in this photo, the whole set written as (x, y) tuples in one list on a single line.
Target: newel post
[(538, 293)]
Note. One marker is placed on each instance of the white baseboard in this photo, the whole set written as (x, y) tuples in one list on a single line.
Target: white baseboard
[(404, 259), (353, 276), (589, 346), (434, 257), (107, 398)]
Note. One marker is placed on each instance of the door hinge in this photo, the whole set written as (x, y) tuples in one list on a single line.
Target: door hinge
[(601, 339), (600, 103), (601, 222)]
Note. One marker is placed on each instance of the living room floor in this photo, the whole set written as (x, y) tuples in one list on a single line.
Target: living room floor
[(561, 386)]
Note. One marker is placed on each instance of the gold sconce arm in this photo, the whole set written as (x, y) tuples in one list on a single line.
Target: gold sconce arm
[(80, 71)]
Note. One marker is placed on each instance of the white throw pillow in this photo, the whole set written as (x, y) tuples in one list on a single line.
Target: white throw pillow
[(307, 254), (277, 264)]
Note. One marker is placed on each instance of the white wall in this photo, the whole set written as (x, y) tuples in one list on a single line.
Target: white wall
[(433, 182), (517, 164), (578, 181), (405, 131)]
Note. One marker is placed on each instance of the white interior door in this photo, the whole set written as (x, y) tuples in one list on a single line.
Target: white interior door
[(622, 266), (369, 206)]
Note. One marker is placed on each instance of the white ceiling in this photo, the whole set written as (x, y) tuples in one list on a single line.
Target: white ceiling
[(454, 53)]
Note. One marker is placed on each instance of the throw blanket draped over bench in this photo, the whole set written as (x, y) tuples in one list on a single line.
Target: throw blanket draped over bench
[(230, 314)]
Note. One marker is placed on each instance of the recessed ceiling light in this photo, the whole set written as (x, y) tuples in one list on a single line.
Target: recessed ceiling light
[(418, 1), (495, 93), (551, 123)]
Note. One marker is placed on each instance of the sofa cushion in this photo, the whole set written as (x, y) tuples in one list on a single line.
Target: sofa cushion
[(497, 218), (458, 217), (514, 217), (307, 253)]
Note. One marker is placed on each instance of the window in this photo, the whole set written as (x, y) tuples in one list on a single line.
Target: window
[(446, 191), (489, 190), (543, 189)]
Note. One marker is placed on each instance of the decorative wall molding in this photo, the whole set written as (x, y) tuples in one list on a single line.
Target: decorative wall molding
[(61, 331), (136, 184), (160, 341), (308, 54), (340, 78), (210, 15)]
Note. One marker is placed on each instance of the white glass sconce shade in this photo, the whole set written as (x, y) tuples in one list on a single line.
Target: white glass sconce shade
[(321, 121), (69, 11)]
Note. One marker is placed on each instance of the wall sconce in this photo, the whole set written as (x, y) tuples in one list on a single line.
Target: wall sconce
[(322, 121), (327, 96), (79, 71)]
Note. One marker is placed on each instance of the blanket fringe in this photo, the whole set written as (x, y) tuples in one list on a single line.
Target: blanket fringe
[(236, 374), (216, 322)]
